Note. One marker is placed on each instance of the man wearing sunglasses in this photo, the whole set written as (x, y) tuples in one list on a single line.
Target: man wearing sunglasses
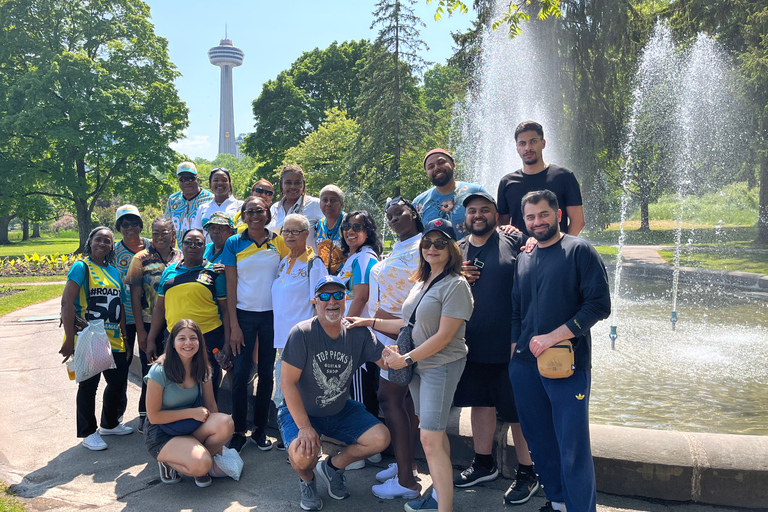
[(183, 205), (318, 362), (446, 199)]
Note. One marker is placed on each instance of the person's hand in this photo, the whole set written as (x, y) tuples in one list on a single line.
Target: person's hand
[(395, 360), (236, 339), (150, 349), (141, 337), (218, 267), (508, 229), (530, 244), (67, 349), (200, 413), (539, 344), (356, 321), (308, 442), (471, 272)]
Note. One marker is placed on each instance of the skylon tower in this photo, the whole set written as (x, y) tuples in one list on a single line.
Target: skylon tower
[(226, 56)]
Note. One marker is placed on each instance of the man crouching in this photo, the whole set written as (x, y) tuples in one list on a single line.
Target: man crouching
[(319, 359)]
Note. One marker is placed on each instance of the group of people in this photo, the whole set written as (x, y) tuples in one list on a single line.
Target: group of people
[(300, 289)]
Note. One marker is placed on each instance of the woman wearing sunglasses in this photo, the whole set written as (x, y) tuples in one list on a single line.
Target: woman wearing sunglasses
[(390, 283), (251, 259), (443, 303), (294, 199), (263, 189), (223, 201), (192, 289)]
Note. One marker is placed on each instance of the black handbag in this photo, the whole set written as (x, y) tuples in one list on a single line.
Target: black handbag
[(403, 376), (186, 426)]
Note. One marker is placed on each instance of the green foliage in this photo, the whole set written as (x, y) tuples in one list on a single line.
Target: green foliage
[(27, 297), (46, 245), (90, 107), (736, 236), (36, 265), (728, 259), (517, 14)]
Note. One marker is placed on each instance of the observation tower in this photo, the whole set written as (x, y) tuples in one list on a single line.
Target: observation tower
[(226, 56)]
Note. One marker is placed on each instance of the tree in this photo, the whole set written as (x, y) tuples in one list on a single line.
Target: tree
[(294, 104), (91, 97), (517, 14)]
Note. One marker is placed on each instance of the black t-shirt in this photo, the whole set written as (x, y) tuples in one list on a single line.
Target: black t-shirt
[(488, 329), (516, 184)]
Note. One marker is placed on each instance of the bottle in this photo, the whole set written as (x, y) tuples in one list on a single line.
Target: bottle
[(222, 359)]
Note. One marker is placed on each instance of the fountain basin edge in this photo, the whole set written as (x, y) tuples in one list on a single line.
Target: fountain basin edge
[(734, 279)]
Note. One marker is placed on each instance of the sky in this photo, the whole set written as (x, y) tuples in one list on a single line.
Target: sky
[(273, 34)]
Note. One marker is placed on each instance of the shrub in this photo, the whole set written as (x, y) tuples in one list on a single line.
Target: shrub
[(65, 223)]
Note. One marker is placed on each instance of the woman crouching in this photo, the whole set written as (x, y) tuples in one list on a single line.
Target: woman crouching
[(185, 428)]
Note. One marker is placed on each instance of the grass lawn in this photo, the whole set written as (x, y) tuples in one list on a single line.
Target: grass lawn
[(33, 279), (8, 502), (663, 233), (718, 260), (29, 296), (42, 246)]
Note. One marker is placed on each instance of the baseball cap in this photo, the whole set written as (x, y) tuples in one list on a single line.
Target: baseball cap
[(326, 280), (186, 167), (126, 209), (485, 195), (441, 225), (435, 151), (221, 219)]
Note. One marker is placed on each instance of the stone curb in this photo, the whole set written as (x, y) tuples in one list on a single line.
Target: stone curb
[(740, 280)]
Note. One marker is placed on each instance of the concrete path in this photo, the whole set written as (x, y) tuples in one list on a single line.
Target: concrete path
[(42, 458), (647, 254)]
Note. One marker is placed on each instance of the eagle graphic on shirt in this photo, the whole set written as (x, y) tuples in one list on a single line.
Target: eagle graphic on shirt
[(333, 387)]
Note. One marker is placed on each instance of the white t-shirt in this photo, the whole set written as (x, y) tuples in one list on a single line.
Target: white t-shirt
[(230, 206), (293, 291), (308, 206), (390, 281)]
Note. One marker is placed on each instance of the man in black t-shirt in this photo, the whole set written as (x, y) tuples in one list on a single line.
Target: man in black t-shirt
[(318, 362), (536, 174), (489, 261)]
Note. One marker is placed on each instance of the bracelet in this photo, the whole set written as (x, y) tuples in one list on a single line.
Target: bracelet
[(374, 324)]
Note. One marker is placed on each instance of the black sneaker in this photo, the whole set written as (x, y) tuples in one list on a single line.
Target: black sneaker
[(262, 441), (281, 446), (547, 507), (237, 442), (476, 474), (522, 489), (141, 424)]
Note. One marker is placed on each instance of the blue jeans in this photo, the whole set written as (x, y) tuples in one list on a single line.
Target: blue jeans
[(254, 323), (347, 426)]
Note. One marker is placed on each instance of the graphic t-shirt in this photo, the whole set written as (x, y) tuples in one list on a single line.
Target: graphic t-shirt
[(433, 205), (357, 270), (104, 297), (123, 257), (184, 211), (193, 293), (146, 270), (327, 364)]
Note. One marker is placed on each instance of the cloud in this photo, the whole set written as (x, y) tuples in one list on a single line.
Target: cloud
[(196, 146)]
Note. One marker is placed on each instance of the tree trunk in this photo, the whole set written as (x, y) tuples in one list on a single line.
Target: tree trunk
[(35, 230), (645, 223), (24, 230), (83, 222), (4, 222), (762, 209)]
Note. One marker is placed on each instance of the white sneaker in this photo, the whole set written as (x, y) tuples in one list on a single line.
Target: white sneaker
[(375, 458), (358, 464), (119, 430), (392, 489), (94, 442), (390, 472)]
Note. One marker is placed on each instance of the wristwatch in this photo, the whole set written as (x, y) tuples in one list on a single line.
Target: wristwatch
[(408, 359)]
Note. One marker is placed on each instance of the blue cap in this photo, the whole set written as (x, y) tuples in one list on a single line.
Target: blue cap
[(329, 280), (442, 225)]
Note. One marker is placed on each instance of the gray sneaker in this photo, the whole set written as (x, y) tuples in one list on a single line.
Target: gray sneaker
[(310, 498), (336, 481)]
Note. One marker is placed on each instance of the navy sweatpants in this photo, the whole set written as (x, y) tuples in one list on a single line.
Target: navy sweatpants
[(554, 416)]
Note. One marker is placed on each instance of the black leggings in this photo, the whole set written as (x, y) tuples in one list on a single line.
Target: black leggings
[(114, 398)]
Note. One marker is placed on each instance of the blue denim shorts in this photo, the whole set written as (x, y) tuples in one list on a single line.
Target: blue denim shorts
[(432, 390), (347, 426)]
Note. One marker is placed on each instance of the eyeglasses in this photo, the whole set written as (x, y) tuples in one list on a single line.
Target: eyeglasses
[(263, 191), (130, 224), (257, 211), (192, 243), (326, 296), (187, 179), (356, 227), (293, 232), (439, 244)]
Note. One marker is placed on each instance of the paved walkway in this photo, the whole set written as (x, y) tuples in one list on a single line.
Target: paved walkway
[(41, 456), (646, 254)]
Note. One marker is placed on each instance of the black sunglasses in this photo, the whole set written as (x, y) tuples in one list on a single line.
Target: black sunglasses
[(130, 224), (193, 243), (257, 211), (187, 179), (326, 296), (356, 227), (396, 200), (439, 244), (259, 190)]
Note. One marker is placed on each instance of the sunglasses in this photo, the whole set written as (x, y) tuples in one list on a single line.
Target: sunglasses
[(130, 224), (326, 296), (396, 200), (257, 211), (192, 243), (294, 232), (439, 244), (187, 179), (356, 227), (264, 191)]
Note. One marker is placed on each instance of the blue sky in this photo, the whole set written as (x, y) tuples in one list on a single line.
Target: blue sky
[(272, 34)]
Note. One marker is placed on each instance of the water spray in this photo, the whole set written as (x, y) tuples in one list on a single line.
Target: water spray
[(613, 335)]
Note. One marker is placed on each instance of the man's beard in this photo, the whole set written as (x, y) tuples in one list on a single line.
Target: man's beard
[(549, 233), (443, 180), (481, 231)]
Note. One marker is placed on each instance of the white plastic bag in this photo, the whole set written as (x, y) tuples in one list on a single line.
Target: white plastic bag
[(93, 352), (229, 462)]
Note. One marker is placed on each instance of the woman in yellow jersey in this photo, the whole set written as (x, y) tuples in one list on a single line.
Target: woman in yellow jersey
[(93, 291), (251, 260)]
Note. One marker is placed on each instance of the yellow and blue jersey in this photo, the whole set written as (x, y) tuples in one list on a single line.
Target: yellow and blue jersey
[(193, 293), (104, 301)]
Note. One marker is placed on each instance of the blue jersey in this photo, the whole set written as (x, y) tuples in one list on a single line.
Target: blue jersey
[(433, 205)]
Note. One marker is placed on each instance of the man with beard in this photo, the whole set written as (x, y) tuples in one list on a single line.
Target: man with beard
[(560, 291), (489, 261), (536, 174), (446, 199), (183, 205), (318, 362)]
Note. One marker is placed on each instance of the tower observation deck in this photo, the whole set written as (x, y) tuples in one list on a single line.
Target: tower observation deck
[(226, 56)]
